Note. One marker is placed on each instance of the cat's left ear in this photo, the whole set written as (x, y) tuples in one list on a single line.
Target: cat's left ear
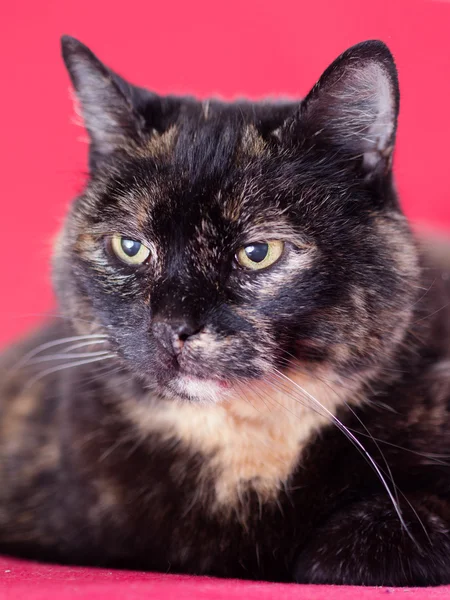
[(354, 106), (108, 102)]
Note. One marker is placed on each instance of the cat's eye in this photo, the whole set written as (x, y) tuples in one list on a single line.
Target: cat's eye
[(128, 250), (259, 255)]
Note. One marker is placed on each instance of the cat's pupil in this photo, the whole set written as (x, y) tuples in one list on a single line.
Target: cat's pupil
[(257, 252), (130, 247)]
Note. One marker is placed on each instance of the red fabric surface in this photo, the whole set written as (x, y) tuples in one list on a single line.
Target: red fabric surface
[(20, 580), (227, 47)]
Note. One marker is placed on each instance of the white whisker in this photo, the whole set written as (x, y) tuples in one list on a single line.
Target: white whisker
[(82, 344), (64, 356), (77, 363), (357, 443), (376, 441), (46, 345)]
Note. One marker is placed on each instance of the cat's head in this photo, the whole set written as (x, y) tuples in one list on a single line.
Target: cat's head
[(216, 242)]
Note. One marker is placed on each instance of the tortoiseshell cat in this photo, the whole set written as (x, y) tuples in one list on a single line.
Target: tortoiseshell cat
[(251, 377)]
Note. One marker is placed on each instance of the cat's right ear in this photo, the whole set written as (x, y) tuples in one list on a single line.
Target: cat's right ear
[(106, 101)]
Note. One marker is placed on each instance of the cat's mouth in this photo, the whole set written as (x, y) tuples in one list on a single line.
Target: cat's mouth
[(190, 380)]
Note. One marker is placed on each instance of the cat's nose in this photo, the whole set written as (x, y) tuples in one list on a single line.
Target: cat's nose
[(173, 334)]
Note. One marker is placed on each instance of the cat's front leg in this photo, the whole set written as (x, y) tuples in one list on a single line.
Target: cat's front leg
[(367, 544)]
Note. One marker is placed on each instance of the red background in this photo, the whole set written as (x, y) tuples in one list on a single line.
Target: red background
[(207, 47)]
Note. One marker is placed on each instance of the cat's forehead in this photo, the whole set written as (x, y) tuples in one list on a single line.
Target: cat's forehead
[(204, 138), (214, 162), (166, 201)]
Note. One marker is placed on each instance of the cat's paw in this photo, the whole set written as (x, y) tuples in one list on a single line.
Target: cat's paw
[(368, 545)]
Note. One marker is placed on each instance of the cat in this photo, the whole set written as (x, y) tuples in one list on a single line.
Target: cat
[(250, 374)]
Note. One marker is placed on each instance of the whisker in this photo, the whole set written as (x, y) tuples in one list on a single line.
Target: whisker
[(433, 313), (297, 368), (243, 397), (396, 488), (64, 355), (436, 458), (298, 400), (46, 345), (357, 444), (257, 394), (429, 455), (104, 371), (424, 294), (82, 344), (261, 397), (70, 365), (114, 446)]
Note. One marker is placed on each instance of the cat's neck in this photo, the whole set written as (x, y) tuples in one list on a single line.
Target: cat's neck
[(255, 436)]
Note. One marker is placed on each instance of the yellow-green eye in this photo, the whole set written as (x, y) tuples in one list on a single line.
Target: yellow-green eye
[(260, 255), (129, 251)]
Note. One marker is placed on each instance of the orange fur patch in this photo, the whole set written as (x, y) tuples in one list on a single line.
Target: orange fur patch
[(253, 437)]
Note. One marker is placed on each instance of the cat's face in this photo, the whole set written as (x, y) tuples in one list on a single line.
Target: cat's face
[(217, 242)]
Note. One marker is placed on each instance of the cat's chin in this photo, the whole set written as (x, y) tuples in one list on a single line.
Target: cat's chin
[(202, 391)]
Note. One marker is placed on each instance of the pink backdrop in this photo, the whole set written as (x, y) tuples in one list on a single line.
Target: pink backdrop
[(227, 48), (206, 47)]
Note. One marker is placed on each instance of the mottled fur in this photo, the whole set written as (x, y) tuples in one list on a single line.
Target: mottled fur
[(300, 431)]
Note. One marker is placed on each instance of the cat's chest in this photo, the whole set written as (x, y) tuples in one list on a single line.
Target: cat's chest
[(253, 440)]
